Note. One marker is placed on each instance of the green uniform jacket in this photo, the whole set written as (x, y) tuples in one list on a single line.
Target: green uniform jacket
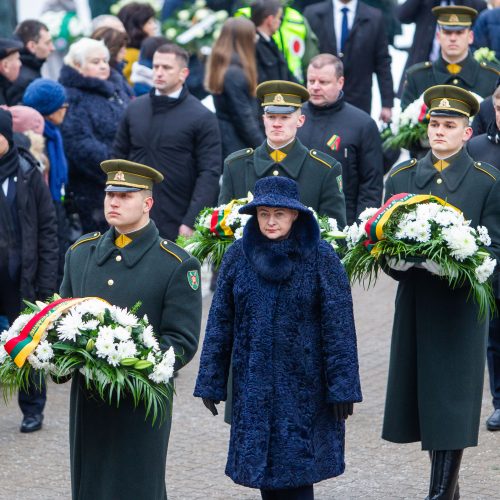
[(318, 175), (116, 453), (476, 77), (438, 349)]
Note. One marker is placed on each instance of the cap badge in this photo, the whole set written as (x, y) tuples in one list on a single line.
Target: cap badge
[(278, 99), (444, 103), (119, 176), (453, 18)]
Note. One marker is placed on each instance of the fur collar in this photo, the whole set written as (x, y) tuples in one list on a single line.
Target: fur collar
[(275, 260), (70, 77)]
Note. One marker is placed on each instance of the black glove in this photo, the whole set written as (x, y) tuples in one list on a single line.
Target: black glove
[(210, 404), (342, 410)]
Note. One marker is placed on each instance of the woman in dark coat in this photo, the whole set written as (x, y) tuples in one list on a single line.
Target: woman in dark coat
[(97, 102), (283, 309), (232, 78)]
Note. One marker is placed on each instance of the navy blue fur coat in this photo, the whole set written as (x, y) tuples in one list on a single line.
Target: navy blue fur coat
[(283, 310)]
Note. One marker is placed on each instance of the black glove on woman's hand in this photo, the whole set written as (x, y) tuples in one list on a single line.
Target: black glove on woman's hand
[(342, 410), (210, 404)]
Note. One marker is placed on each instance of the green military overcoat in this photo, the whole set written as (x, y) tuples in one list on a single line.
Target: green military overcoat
[(438, 348), (479, 78), (115, 452), (318, 175)]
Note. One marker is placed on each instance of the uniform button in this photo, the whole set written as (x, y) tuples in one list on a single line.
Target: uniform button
[(118, 258), (439, 181), (313, 152), (478, 163), (455, 82), (111, 282), (275, 172)]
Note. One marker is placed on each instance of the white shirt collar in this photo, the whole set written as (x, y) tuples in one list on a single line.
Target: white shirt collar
[(173, 95), (338, 16)]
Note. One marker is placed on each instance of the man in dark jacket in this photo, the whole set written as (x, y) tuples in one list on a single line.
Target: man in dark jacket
[(357, 36), (485, 116), (10, 65), (37, 47), (487, 28), (28, 247), (344, 132), (436, 369), (456, 64), (173, 132), (425, 46), (486, 149), (271, 63)]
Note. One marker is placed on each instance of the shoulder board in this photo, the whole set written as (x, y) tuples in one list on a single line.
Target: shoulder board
[(419, 66), (174, 250), (85, 238), (403, 166), (323, 158), (487, 169), (485, 65), (239, 154)]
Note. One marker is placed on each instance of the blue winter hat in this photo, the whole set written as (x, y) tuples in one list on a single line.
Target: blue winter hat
[(275, 192), (44, 95)]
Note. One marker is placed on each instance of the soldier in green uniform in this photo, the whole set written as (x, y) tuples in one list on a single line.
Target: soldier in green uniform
[(318, 175), (456, 64), (115, 451), (437, 360)]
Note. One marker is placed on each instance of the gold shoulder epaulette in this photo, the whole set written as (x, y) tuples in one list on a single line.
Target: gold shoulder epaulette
[(403, 166), (323, 158), (487, 169), (491, 68), (239, 154), (85, 238), (174, 250)]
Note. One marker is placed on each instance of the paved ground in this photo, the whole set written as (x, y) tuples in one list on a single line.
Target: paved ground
[(375, 469)]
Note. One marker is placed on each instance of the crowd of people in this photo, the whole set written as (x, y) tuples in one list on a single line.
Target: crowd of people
[(125, 121)]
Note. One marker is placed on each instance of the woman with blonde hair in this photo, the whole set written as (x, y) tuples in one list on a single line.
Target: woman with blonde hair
[(231, 78)]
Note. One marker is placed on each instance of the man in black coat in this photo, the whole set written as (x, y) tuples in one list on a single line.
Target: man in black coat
[(10, 65), (425, 47), (344, 132), (360, 41), (37, 47), (485, 116), (486, 148), (173, 132), (271, 63), (28, 247)]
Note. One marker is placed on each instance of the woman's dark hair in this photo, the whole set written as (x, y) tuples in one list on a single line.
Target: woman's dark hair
[(149, 46), (237, 37), (114, 41), (134, 16)]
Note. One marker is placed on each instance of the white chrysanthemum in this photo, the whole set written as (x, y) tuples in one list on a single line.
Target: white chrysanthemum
[(121, 334), (151, 357), (460, 241), (354, 234), (367, 213), (44, 351), (164, 370), (333, 224), (104, 344), (233, 218), (238, 233), (485, 269), (3, 354), (483, 235), (91, 324), (91, 306), (19, 323), (36, 363), (123, 317), (126, 349), (148, 338), (427, 211), (69, 326), (4, 336), (114, 358)]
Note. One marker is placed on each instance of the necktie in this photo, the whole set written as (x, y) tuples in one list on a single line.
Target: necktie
[(344, 34)]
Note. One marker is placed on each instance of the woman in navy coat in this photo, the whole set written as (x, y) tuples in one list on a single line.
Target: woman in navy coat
[(283, 311)]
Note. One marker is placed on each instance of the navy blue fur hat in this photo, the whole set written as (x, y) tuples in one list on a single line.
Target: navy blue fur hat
[(275, 192), (44, 95)]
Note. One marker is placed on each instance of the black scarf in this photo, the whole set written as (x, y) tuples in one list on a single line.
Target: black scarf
[(493, 134), (163, 103)]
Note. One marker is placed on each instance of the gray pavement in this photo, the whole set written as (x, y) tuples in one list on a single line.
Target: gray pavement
[(36, 466)]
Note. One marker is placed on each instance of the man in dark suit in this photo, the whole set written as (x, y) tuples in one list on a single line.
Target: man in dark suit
[(271, 63), (425, 46), (355, 33)]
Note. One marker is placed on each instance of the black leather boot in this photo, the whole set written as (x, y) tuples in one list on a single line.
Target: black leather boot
[(456, 496), (444, 475)]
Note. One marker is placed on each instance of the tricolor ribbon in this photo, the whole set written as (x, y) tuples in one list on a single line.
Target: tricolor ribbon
[(20, 347), (218, 224), (374, 227)]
